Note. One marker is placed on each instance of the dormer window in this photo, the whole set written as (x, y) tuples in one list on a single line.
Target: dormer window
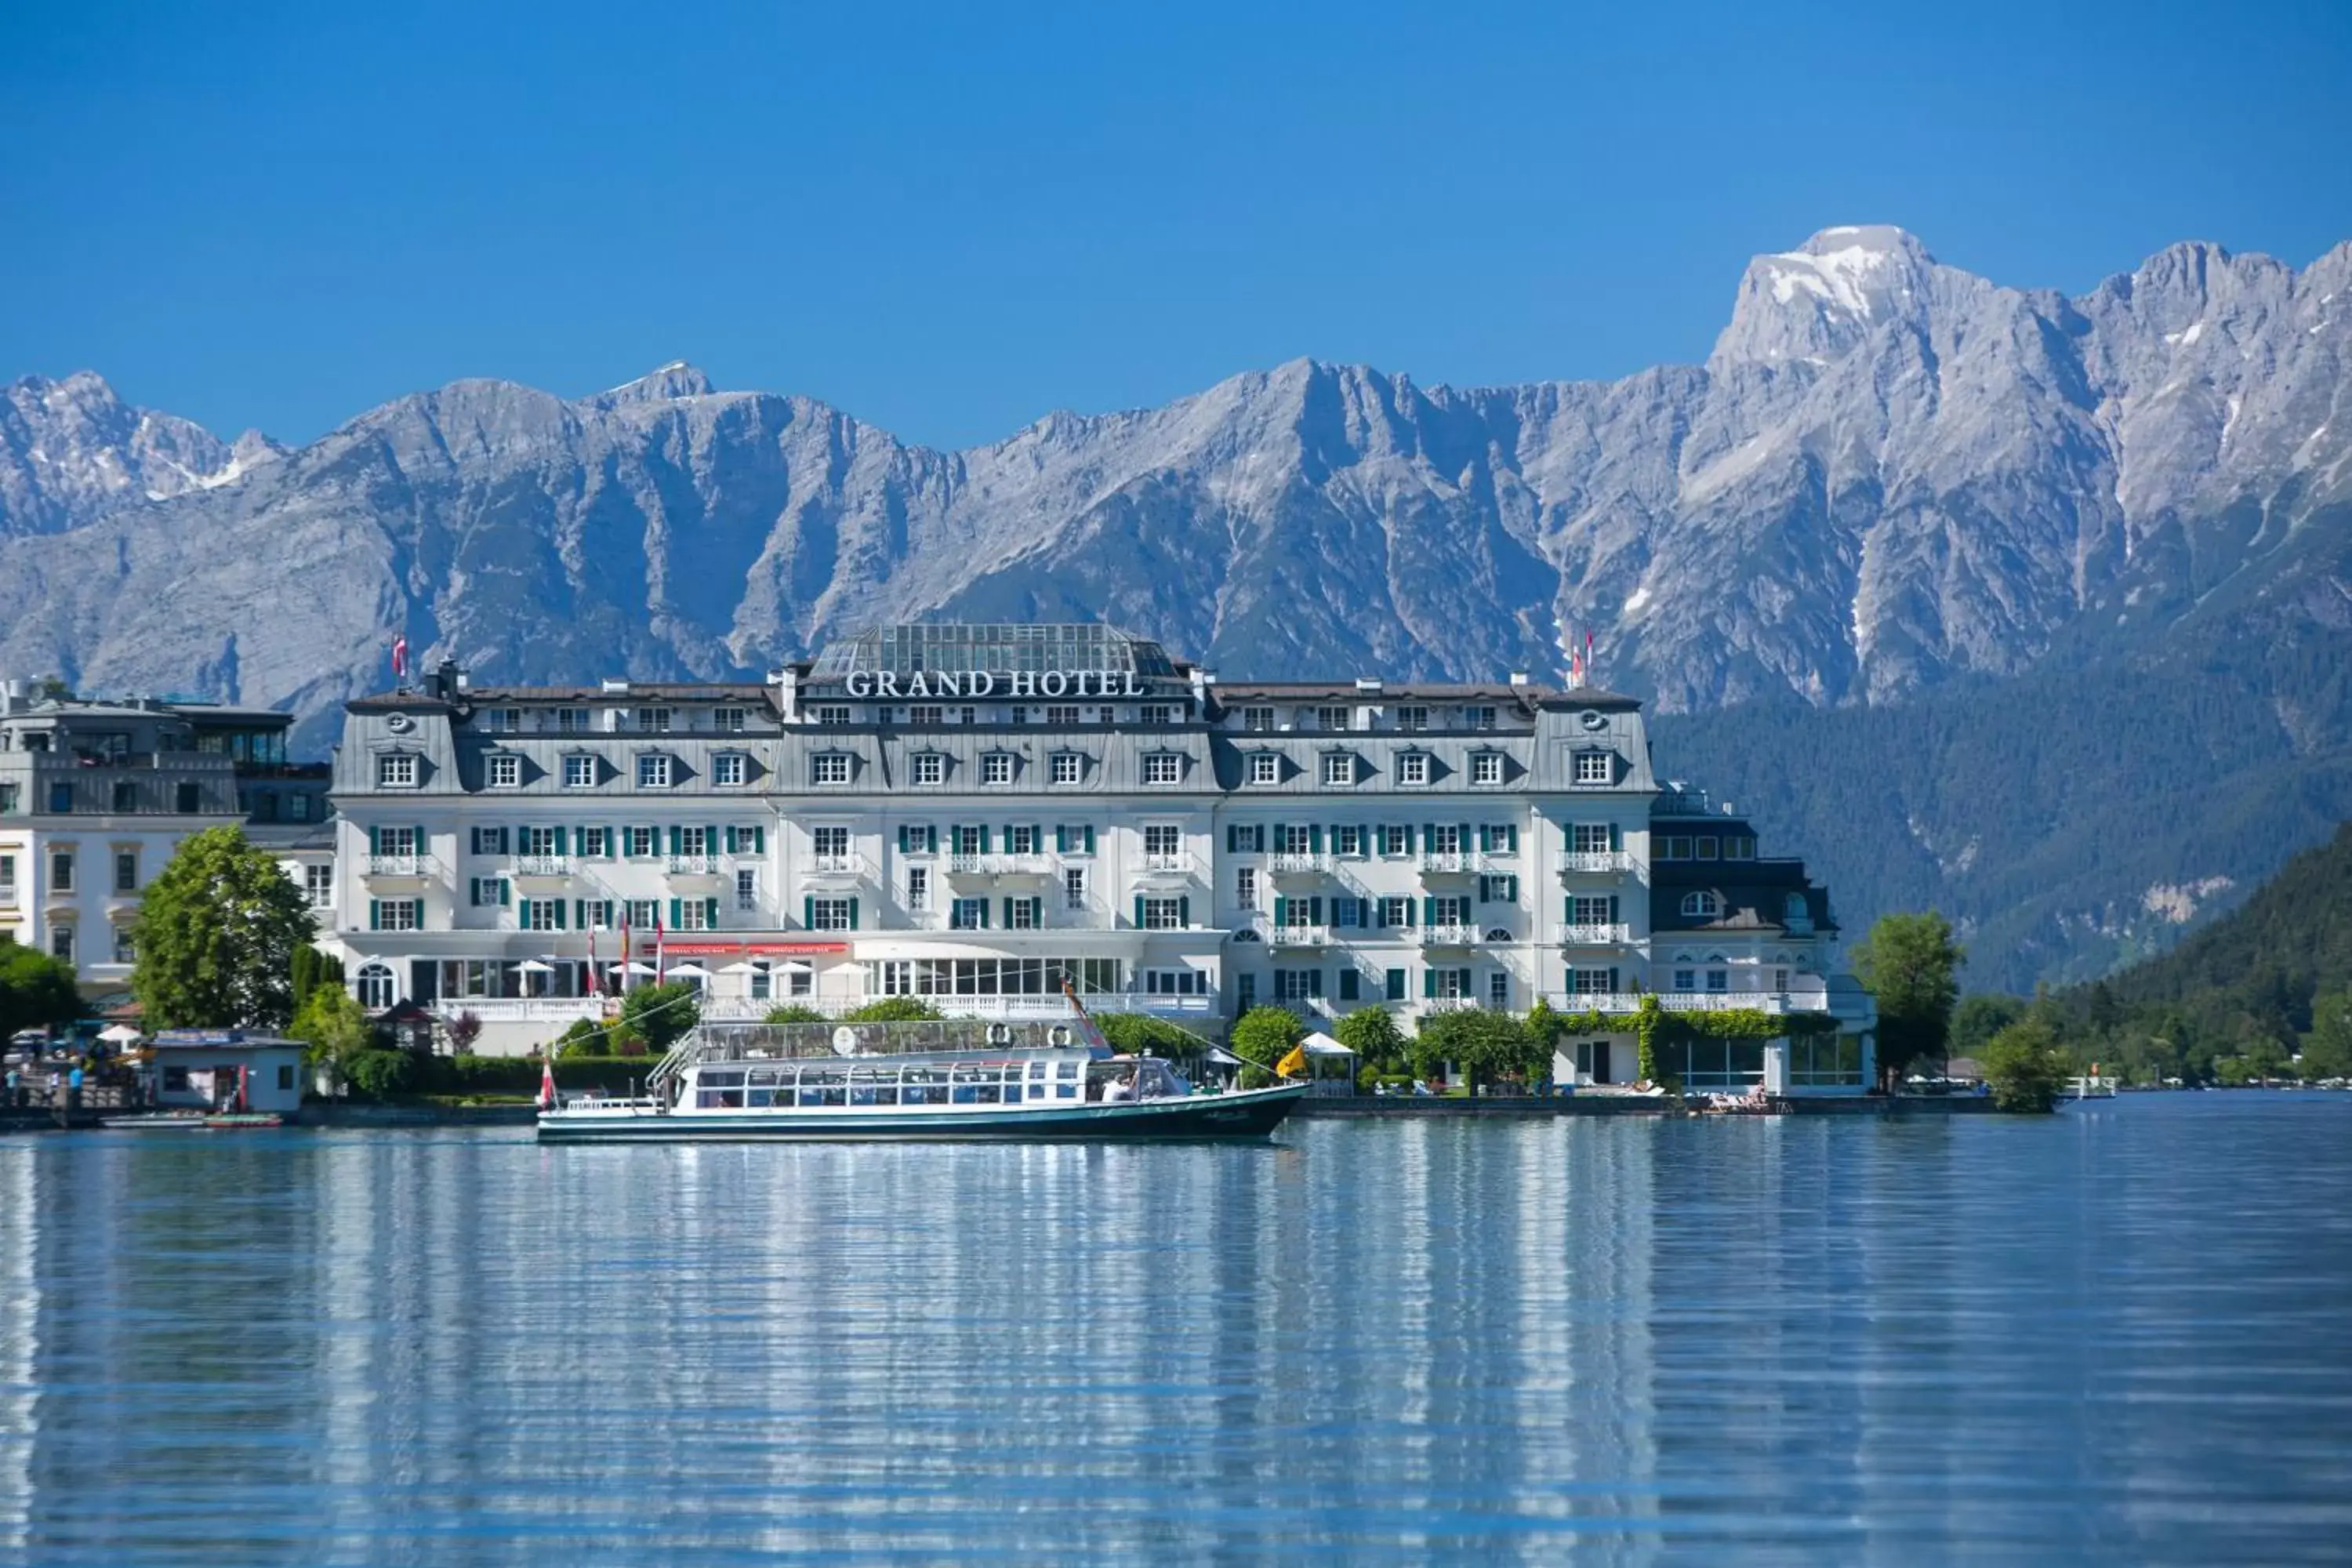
[(1067, 767), (728, 721), (1332, 719), (653, 720), (1794, 908), (580, 771), (1339, 769), (731, 768), (1702, 905), (1259, 720), (1596, 766), (656, 770), (1413, 717), (1163, 768), (1412, 767), (1477, 718), (996, 768), (1486, 768), (928, 768), (1266, 768), (396, 770), (505, 770), (829, 768)]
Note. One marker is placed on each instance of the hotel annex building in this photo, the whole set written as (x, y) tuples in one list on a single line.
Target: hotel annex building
[(970, 814)]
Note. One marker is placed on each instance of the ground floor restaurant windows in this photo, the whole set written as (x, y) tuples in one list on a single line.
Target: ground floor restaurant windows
[(1732, 1064), (1820, 1061), (991, 977)]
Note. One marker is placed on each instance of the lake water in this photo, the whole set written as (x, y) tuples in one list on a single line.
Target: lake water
[(2123, 1334)]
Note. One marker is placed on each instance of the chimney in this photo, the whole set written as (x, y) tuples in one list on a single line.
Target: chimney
[(445, 685), (1368, 684), (1519, 678)]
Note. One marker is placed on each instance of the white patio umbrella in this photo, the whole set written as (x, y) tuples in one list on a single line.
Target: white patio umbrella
[(688, 972), (634, 967), (118, 1034), (533, 966), (741, 966)]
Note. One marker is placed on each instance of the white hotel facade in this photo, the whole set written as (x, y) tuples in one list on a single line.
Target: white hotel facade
[(970, 813)]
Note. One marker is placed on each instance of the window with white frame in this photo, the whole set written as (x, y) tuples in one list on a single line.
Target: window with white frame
[(1067, 767), (1061, 715), (653, 720), (1163, 768), (502, 721), (928, 768), (637, 843), (731, 768), (1685, 979), (1332, 719), (1476, 718), (1347, 841), (1258, 719), (831, 768), (831, 713), (1591, 982), (572, 721), (1297, 984), (1499, 991), (1175, 983), (1486, 768), (654, 770), (400, 914), (1412, 767), (922, 713), (1164, 914), (579, 770), (395, 770), (1703, 905), (644, 913), (1021, 839), (1245, 887), (1266, 768), (967, 914), (319, 885), (1718, 979), (830, 914), (1396, 839), (918, 888), (1596, 767), (1339, 768), (1396, 911), (506, 770), (729, 721), (747, 887), (1413, 717), (1156, 713), (538, 914), (1074, 888), (1024, 914), (595, 914), (996, 768)]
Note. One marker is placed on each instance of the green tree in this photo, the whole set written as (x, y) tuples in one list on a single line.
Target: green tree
[(2327, 1049), (1978, 1018), (660, 1014), (216, 934), (581, 1038), (1263, 1036), (1139, 1034), (1374, 1034), (2025, 1066), (793, 1013), (1485, 1046), (35, 989), (1912, 966), (310, 969), (333, 1025), (893, 1010)]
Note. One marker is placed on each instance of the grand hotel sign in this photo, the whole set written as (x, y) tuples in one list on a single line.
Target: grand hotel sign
[(934, 683)]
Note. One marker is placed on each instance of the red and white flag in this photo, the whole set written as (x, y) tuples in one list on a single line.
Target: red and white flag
[(546, 1077), (625, 956), (596, 980), (400, 657), (658, 963)]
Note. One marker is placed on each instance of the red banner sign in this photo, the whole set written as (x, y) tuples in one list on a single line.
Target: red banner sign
[(753, 947)]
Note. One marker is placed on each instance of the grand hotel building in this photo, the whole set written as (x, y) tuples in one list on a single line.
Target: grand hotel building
[(972, 812)]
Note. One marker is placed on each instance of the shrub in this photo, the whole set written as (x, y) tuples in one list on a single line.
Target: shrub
[(2025, 1068), (1264, 1036), (660, 1014), (1138, 1034), (1374, 1034), (893, 1010), (793, 1013), (379, 1075), (586, 1038)]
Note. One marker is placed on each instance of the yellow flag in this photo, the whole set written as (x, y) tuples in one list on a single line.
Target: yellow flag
[(1294, 1064)]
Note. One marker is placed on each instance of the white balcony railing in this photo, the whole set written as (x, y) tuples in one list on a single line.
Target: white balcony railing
[(522, 1009), (1588, 935), (1297, 936), (1596, 1001), (1448, 862), (542, 865), (1594, 862), (847, 867), (694, 866), (1000, 865), (1450, 934), (1168, 863), (1298, 863), (400, 865)]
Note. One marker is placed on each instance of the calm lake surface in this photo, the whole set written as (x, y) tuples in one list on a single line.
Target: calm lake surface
[(2123, 1334)]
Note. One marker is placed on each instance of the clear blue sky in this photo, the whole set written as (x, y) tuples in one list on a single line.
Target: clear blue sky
[(950, 221)]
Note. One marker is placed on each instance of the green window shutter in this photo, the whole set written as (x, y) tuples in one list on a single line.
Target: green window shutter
[(675, 840), (808, 913), (1568, 910), (1429, 836), (674, 904), (1315, 911), (1511, 888), (955, 840), (1613, 908), (1185, 910), (559, 912), (424, 845), (506, 892), (1090, 838), (1232, 837), (1616, 839), (731, 838), (1061, 838), (710, 839), (560, 842), (1280, 843), (1037, 836), (906, 837), (1379, 913), (983, 838), (710, 913), (1392, 982), (1429, 912), (1429, 982), (853, 914), (1612, 978), (580, 913), (1511, 837), (1408, 837), (375, 914), (1463, 829), (372, 848), (523, 914), (758, 838), (1138, 911), (1315, 837), (1281, 909), (1008, 914)]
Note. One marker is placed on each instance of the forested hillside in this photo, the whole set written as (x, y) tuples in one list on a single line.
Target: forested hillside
[(2243, 999), (2067, 821)]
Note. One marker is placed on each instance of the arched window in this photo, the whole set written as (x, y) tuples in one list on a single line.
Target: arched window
[(374, 987), (1795, 908), (1703, 903)]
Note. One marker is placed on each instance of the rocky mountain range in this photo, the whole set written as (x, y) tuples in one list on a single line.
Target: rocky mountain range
[(1890, 476)]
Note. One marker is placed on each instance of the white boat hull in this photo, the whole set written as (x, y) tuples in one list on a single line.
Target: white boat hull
[(1252, 1113)]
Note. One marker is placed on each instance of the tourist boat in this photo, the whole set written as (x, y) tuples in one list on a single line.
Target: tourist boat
[(952, 1080)]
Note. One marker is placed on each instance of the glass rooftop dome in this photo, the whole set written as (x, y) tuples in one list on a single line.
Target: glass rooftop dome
[(1001, 648)]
